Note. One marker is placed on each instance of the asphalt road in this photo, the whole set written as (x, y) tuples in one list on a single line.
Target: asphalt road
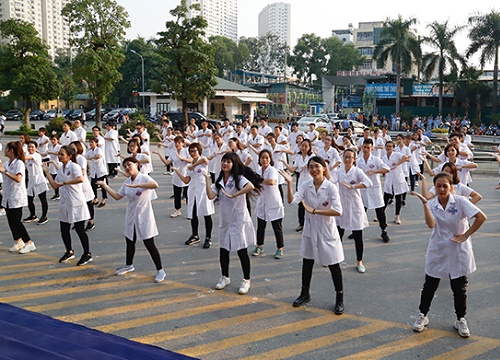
[(185, 314)]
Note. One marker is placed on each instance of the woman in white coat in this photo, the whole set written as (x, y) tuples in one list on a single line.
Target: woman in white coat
[(395, 183), (98, 170), (72, 206), (198, 203), (236, 231), (15, 196), (140, 221), (449, 253), (37, 185), (320, 238), (269, 205), (350, 179)]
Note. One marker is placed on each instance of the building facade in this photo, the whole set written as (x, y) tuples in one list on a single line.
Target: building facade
[(275, 19), (221, 15), (45, 15)]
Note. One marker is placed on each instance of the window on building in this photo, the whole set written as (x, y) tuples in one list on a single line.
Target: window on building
[(366, 51), (365, 36)]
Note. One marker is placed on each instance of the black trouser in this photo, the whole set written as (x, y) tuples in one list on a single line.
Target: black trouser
[(297, 180), (195, 222), (95, 187), (381, 218), (358, 241), (179, 192), (56, 190), (459, 288), (80, 230), (302, 214), (150, 246), (278, 232), (335, 270), (413, 178), (43, 201), (90, 205), (280, 188), (244, 259), (169, 166), (112, 169), (398, 201), (14, 218), (249, 204)]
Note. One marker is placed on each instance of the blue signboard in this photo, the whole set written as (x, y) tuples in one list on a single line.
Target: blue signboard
[(382, 91), (430, 90)]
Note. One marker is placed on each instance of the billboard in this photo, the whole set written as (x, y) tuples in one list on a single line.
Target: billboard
[(388, 91)]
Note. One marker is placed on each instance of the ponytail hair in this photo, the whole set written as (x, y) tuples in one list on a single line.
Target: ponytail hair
[(17, 149)]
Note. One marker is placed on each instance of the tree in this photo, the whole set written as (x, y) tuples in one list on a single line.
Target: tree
[(98, 27), (228, 55), (189, 74), (65, 75), (398, 44), (308, 58), (340, 56), (25, 66), (445, 58), (266, 54), (484, 35)]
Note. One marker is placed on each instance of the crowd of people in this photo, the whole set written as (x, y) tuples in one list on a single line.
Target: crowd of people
[(338, 178)]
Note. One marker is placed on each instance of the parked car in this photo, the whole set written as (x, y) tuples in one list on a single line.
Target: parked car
[(177, 119), (66, 113), (13, 115), (37, 115), (49, 115), (75, 114), (90, 115), (319, 120), (357, 127)]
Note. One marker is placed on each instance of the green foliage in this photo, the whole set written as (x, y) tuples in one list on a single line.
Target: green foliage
[(190, 71), (64, 73), (98, 27), (406, 115), (228, 55), (134, 119), (265, 54), (19, 132), (55, 126), (25, 65)]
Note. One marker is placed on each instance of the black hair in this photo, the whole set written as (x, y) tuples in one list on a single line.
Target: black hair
[(267, 151), (310, 146), (239, 169), (134, 140), (196, 146), (368, 141), (454, 175), (70, 151)]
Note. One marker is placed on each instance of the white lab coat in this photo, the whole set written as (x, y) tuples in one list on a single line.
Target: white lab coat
[(236, 229), (301, 164), (14, 193), (97, 166), (405, 151), (55, 158), (463, 174), (373, 197), (395, 182), (112, 147), (197, 192), (73, 205), (178, 163), (320, 237), (259, 139), (353, 211), (269, 205), (37, 183), (88, 193), (446, 258), (140, 215)]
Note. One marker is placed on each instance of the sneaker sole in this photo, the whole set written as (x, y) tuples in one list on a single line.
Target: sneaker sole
[(43, 222), (85, 263), (124, 272), (68, 259)]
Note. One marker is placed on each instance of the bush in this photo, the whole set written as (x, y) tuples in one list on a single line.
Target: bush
[(439, 130), (31, 133), (54, 126)]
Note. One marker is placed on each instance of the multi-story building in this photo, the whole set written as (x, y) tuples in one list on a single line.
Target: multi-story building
[(221, 15), (344, 34), (275, 19), (45, 15)]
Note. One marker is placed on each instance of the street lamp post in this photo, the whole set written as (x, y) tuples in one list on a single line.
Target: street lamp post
[(142, 62)]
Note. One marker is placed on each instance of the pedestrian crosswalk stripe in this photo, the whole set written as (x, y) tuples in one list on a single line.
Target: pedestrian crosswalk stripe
[(471, 350), (211, 326), (247, 338), (23, 265), (44, 283), (48, 272)]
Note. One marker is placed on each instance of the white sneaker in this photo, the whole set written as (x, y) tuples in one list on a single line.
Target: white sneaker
[(2, 211), (461, 326), (160, 276), (223, 282), (125, 269), (244, 287), (175, 214), (421, 322), (27, 248), (397, 220), (17, 246)]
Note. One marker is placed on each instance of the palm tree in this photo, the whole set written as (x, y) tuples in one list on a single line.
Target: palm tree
[(400, 45), (446, 57), (484, 35)]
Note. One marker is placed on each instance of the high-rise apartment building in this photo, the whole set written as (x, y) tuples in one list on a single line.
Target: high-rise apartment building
[(45, 15), (221, 15), (275, 19)]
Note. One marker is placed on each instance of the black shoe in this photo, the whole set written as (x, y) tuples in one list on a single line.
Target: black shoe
[(403, 203), (31, 218), (299, 228), (193, 240), (68, 255), (90, 226), (339, 304), (207, 244), (385, 236), (171, 197), (43, 220), (390, 202), (301, 300), (351, 236), (85, 259), (102, 204)]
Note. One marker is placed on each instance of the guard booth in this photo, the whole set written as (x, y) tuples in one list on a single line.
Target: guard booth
[(316, 108)]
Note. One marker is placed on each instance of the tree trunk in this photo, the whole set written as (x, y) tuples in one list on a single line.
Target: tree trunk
[(398, 88), (495, 84), (27, 114), (98, 112), (185, 112), (478, 107)]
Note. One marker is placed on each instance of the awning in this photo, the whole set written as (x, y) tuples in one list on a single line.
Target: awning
[(252, 99)]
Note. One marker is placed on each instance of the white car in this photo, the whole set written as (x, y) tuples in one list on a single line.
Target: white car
[(321, 121), (357, 127)]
